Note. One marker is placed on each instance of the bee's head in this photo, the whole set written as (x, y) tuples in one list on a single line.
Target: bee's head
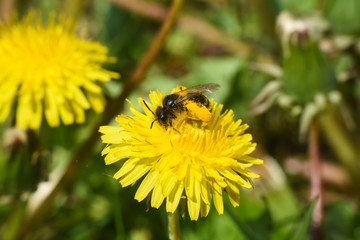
[(161, 116)]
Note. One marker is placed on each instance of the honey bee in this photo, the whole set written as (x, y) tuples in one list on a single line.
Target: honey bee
[(190, 101)]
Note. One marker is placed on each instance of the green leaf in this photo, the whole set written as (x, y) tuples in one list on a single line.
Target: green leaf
[(299, 6), (14, 222), (341, 221), (283, 209), (302, 231), (216, 70), (343, 15), (307, 73)]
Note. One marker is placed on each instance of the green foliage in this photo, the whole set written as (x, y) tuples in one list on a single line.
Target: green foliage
[(343, 15), (303, 230), (342, 221), (307, 73), (299, 6)]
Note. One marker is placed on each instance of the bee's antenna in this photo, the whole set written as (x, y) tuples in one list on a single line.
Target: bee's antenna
[(148, 108), (152, 123)]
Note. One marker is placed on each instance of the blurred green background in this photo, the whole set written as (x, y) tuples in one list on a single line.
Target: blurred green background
[(281, 64)]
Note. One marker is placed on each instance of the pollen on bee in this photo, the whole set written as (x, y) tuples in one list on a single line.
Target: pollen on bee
[(198, 111)]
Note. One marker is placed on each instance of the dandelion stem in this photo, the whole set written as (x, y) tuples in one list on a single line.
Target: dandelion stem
[(6, 7), (174, 229), (315, 181), (113, 108)]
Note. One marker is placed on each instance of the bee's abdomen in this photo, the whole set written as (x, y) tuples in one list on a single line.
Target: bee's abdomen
[(202, 99)]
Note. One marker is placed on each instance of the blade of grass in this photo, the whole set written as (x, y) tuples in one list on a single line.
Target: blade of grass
[(301, 232)]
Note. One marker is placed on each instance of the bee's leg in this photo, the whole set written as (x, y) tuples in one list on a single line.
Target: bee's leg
[(171, 117), (170, 123)]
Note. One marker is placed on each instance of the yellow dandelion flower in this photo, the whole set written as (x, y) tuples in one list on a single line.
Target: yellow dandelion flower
[(187, 161), (48, 69)]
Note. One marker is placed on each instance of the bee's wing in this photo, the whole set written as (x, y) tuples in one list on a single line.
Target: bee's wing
[(196, 90)]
